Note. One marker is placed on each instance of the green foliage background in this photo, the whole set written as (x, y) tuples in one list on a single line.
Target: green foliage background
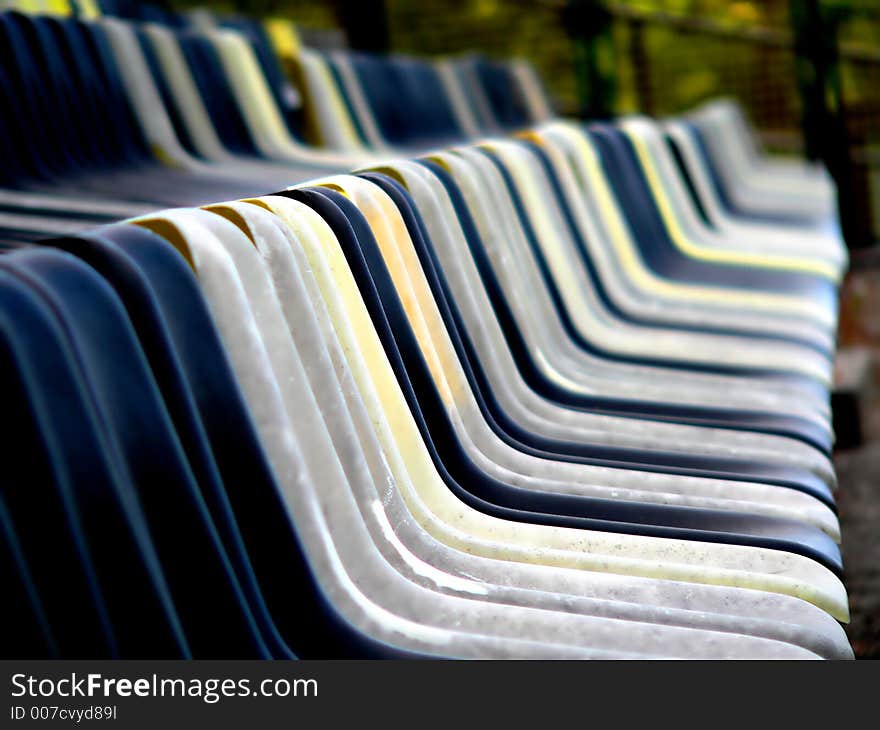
[(678, 69)]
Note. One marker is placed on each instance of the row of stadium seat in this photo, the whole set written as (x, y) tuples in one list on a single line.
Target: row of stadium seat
[(516, 386)]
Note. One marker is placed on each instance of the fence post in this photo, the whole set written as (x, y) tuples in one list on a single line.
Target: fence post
[(641, 66), (365, 23), (826, 133), (814, 50), (589, 26)]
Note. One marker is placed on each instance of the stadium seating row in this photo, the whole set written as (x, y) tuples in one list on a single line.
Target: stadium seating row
[(321, 354)]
